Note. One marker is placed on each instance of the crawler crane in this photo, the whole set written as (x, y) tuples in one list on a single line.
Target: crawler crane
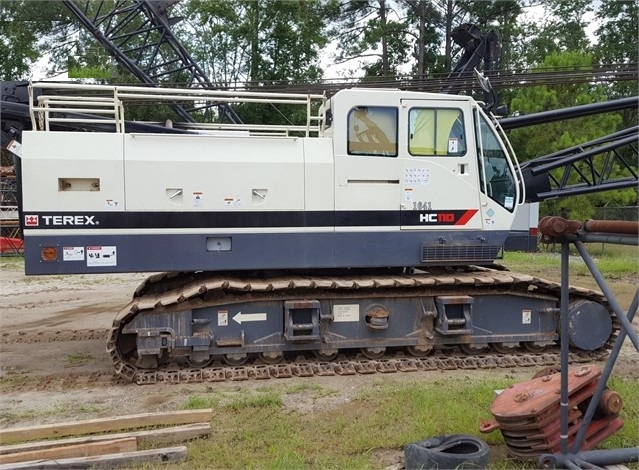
[(365, 237)]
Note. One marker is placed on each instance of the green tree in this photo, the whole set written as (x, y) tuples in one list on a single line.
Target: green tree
[(503, 17), (449, 13), (617, 35), (617, 46), (489, 14), (543, 139), (423, 30), (371, 29), (261, 41), (561, 28), (539, 140), (28, 30)]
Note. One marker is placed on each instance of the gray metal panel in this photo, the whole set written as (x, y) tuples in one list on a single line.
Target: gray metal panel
[(502, 317), (258, 327), (403, 248), (187, 252), (521, 241)]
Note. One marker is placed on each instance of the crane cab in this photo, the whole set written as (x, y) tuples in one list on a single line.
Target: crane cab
[(435, 157)]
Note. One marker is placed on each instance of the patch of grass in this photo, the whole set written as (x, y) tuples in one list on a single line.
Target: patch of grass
[(252, 430), (615, 264), (627, 436), (510, 464), (67, 409), (13, 379), (612, 250), (413, 411), (77, 408), (302, 387), (520, 261), (79, 358), (264, 399), (316, 390), (235, 399), (610, 267), (11, 262), (11, 417), (198, 402)]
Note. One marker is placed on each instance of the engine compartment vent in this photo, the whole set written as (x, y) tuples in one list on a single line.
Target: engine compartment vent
[(433, 254)]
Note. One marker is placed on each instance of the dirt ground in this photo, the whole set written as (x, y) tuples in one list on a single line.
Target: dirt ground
[(54, 367)]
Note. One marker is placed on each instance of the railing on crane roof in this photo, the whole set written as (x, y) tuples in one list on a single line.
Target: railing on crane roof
[(81, 104)]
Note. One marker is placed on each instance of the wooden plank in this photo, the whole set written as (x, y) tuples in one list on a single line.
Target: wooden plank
[(165, 436), (150, 458), (113, 446), (116, 423)]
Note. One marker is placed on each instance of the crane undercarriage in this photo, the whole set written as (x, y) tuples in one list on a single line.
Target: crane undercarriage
[(208, 327)]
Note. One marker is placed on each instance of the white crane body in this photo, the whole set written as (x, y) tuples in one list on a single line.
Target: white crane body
[(393, 180)]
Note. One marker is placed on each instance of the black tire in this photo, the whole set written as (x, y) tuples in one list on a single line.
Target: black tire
[(451, 451)]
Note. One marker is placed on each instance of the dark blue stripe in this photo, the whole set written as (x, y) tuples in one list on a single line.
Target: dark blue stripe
[(273, 219)]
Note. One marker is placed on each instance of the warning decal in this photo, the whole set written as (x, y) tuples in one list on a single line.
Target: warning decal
[(73, 253), (102, 256)]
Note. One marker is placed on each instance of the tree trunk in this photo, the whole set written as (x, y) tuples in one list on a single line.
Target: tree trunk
[(421, 40), (449, 27), (255, 39), (382, 17)]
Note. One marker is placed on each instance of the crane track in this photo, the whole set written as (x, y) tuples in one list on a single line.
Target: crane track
[(346, 366), (293, 369), (172, 289)]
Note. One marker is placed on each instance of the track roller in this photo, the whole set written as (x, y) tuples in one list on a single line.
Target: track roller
[(473, 349), (373, 353), (534, 347), (198, 362), (271, 357), (504, 348), (420, 351), (235, 359), (325, 354)]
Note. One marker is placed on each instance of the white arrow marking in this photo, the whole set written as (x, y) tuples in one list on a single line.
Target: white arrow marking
[(240, 317)]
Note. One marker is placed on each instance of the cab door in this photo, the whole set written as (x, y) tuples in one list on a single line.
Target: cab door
[(367, 167), (439, 170)]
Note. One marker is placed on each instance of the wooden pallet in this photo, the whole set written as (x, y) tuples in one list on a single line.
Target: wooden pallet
[(98, 445)]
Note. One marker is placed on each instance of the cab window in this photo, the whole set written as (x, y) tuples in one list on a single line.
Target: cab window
[(436, 132), (372, 130), (496, 177)]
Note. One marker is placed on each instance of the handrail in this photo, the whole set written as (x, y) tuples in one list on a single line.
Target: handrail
[(81, 103)]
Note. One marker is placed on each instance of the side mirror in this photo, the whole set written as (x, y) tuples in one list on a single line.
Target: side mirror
[(502, 110)]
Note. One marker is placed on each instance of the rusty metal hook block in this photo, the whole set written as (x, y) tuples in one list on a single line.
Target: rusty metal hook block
[(528, 413)]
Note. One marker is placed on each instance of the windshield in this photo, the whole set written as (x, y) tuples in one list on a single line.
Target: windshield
[(496, 177)]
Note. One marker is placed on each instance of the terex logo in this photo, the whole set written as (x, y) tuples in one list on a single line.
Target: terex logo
[(441, 217), (69, 220), (31, 221)]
